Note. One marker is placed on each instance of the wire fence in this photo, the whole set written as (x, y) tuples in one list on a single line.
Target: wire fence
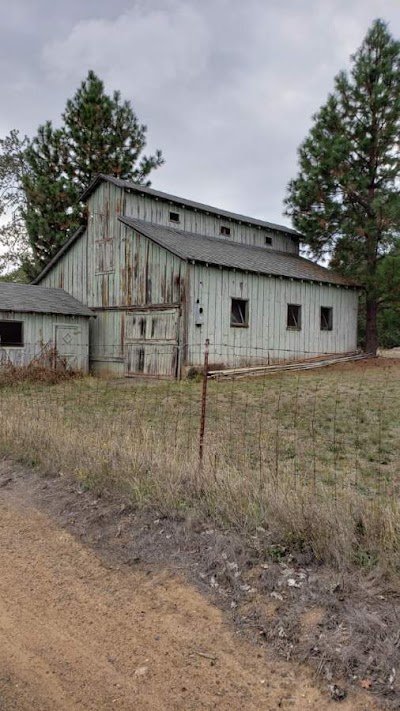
[(338, 426), (311, 453)]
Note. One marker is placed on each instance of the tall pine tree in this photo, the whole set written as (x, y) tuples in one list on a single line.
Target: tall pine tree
[(345, 198), (100, 134), (51, 209)]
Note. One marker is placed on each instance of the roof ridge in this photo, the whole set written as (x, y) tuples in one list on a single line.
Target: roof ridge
[(119, 182)]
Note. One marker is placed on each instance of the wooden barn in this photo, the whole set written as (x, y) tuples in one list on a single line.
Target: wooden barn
[(163, 274), (33, 319)]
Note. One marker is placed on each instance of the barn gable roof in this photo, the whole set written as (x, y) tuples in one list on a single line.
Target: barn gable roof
[(39, 299), (183, 202), (234, 255)]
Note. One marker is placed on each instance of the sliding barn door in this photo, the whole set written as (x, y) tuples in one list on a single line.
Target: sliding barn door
[(152, 342)]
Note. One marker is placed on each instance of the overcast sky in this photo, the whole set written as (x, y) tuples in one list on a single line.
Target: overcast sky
[(227, 88)]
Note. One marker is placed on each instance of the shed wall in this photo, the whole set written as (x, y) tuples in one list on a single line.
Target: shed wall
[(267, 336), (40, 330)]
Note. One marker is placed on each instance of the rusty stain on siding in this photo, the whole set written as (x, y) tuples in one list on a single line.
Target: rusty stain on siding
[(128, 273), (182, 295), (104, 290), (140, 364), (148, 290), (122, 330)]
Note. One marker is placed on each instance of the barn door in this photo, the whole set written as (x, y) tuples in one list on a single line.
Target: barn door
[(68, 345), (151, 342)]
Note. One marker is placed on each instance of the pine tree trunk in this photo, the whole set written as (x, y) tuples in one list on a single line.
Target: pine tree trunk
[(371, 340)]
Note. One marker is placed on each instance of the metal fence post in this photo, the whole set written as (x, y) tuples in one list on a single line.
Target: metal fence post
[(203, 402)]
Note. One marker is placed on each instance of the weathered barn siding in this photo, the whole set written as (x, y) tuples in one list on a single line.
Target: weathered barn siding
[(146, 208), (69, 334), (109, 201), (70, 273), (267, 336)]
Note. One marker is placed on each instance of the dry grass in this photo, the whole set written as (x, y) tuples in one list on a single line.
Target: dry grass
[(311, 458), (47, 367)]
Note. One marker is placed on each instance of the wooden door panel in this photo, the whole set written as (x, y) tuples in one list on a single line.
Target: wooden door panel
[(152, 342)]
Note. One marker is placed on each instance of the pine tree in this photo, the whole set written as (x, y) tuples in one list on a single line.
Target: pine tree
[(345, 198), (100, 134), (51, 210), (14, 248), (103, 135)]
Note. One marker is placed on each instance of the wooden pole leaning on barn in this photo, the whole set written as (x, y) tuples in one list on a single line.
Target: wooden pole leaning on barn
[(203, 403)]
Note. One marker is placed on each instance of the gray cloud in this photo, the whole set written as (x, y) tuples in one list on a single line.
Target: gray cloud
[(226, 88)]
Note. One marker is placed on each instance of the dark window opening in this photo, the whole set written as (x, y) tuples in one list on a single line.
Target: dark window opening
[(268, 240), (294, 316), (326, 318), (174, 217), (11, 333), (240, 312), (225, 230)]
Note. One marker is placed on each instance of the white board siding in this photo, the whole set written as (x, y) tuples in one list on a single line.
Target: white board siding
[(70, 272), (40, 330), (267, 336), (152, 210)]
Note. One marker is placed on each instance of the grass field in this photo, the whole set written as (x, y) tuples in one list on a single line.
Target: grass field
[(312, 457)]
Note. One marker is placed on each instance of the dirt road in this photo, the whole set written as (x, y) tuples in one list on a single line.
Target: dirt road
[(77, 634)]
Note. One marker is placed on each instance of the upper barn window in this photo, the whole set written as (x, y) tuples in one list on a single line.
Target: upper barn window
[(326, 318), (104, 256), (11, 333), (294, 317), (224, 230), (240, 312), (268, 241), (174, 217)]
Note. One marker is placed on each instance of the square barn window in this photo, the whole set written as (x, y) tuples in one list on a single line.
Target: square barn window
[(240, 312), (174, 217), (268, 241), (326, 318), (11, 333), (225, 230), (294, 316)]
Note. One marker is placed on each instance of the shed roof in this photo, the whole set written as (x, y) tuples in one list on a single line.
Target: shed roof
[(39, 299), (234, 255), (183, 202)]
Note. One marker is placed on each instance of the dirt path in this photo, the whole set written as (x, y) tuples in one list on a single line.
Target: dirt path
[(78, 634)]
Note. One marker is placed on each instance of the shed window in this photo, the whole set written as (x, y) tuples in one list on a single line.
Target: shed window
[(268, 241), (326, 318), (240, 312), (294, 316), (11, 333), (174, 217), (225, 230)]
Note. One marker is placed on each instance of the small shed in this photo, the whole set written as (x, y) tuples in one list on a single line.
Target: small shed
[(33, 318)]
